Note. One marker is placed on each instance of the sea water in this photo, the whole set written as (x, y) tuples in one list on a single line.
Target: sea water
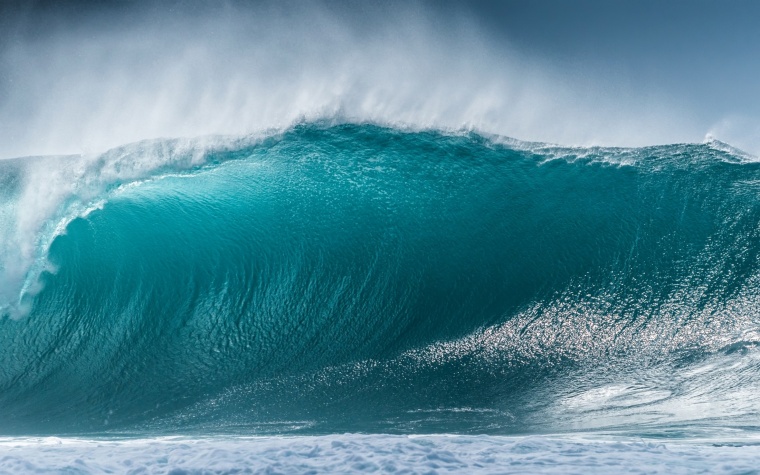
[(341, 297)]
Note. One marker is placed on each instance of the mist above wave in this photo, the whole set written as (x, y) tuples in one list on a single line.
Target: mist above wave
[(104, 80)]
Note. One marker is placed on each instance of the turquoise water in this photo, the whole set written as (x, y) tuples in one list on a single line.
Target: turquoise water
[(357, 278)]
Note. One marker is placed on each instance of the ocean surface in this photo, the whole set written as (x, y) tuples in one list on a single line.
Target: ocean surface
[(355, 297)]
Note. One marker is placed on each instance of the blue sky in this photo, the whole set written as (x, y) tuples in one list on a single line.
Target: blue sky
[(704, 51)]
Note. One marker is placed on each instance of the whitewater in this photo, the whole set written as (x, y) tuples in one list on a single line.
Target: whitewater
[(338, 296)]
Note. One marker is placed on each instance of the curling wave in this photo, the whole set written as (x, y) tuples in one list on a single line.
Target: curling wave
[(361, 278)]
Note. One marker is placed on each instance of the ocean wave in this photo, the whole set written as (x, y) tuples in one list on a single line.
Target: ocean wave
[(355, 277)]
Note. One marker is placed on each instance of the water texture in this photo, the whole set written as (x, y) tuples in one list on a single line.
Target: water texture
[(335, 278)]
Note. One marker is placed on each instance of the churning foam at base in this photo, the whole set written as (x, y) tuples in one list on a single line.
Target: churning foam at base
[(355, 453)]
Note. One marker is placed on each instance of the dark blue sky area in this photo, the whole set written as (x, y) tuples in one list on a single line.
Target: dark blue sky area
[(708, 50)]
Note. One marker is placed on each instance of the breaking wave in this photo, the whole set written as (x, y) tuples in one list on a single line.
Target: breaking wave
[(354, 277)]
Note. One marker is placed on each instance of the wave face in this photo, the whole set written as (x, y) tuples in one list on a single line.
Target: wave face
[(358, 278)]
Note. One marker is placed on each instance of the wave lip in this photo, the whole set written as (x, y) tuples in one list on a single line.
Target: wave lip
[(42, 195), (732, 151)]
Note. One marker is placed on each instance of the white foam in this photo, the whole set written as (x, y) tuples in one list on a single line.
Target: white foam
[(353, 453), (55, 190)]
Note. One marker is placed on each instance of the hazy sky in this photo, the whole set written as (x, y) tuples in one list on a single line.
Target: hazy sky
[(703, 52), (85, 76)]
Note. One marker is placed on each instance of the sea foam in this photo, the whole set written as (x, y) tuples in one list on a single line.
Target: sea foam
[(356, 453)]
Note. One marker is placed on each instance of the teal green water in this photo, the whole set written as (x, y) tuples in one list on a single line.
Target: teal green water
[(360, 278)]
